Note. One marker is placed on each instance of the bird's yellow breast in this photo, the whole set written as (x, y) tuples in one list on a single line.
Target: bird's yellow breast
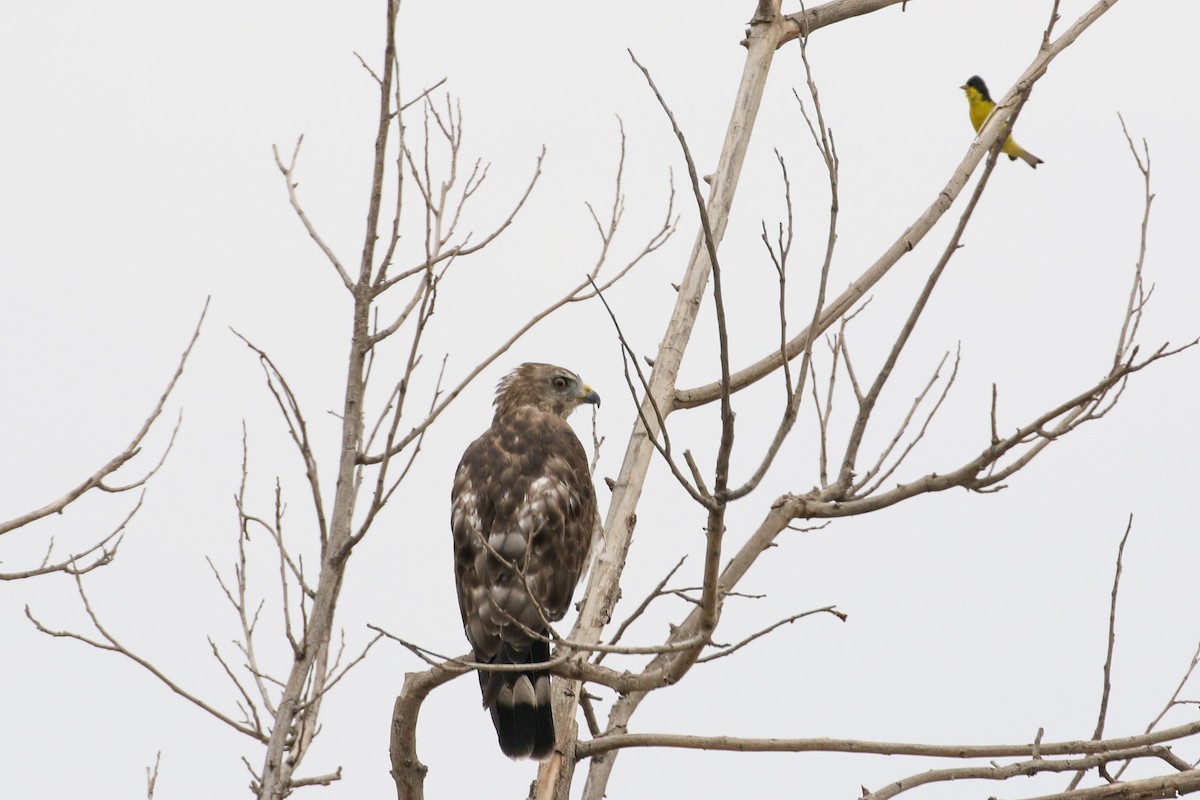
[(980, 107)]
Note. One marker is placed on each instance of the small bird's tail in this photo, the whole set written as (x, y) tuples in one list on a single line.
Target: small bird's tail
[(1028, 157), (520, 703)]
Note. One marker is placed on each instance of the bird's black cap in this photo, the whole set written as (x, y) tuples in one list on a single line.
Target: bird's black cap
[(976, 83)]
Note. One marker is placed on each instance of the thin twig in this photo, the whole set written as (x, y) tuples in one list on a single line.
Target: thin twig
[(112, 645), (96, 480), (731, 649), (654, 594)]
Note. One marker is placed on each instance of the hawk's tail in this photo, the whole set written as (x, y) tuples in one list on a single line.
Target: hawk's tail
[(520, 703)]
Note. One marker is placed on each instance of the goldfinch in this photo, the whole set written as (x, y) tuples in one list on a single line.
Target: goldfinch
[(981, 105)]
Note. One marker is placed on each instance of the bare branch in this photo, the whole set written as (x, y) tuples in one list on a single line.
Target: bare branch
[(881, 475), (823, 140), (1032, 767), (915, 233), (152, 776), (354, 662), (654, 594), (1112, 632), (1175, 695), (96, 480), (1166, 786), (803, 23), (697, 490), (588, 749), (1054, 18), (404, 106), (250, 709), (318, 780), (1108, 658), (289, 407), (289, 176), (714, 533), (79, 564), (438, 255), (1137, 297), (112, 645), (867, 405), (578, 292), (407, 769), (731, 649), (1172, 702)]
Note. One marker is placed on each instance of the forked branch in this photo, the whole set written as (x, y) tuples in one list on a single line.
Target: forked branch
[(103, 553)]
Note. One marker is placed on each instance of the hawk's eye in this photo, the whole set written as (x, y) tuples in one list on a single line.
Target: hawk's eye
[(559, 383)]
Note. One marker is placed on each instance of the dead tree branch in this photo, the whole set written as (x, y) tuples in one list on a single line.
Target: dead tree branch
[(915, 233), (609, 742), (97, 479)]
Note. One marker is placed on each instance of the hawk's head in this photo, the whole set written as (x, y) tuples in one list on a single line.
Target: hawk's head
[(545, 387)]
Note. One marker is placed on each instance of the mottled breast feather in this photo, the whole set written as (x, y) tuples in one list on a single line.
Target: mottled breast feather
[(523, 511), (522, 505)]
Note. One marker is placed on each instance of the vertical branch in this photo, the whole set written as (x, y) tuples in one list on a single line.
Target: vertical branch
[(1112, 633), (407, 770), (1136, 291), (1108, 657), (382, 131), (296, 719), (715, 528), (823, 139), (557, 773)]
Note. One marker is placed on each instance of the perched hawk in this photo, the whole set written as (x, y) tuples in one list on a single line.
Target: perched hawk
[(522, 512)]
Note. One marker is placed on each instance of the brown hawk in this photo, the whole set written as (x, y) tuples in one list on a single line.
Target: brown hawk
[(523, 510)]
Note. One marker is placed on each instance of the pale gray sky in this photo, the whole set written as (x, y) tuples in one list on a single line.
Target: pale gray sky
[(136, 178)]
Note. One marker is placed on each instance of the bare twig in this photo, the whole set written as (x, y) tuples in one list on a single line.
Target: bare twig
[(110, 644), (289, 176), (710, 600), (882, 475), (867, 405), (318, 780), (1137, 296), (1175, 695), (289, 407), (696, 487), (1108, 657), (577, 293), (152, 776), (98, 555), (823, 140), (654, 594), (97, 479), (729, 650)]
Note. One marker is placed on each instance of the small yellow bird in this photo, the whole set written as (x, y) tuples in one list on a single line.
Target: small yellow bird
[(981, 105)]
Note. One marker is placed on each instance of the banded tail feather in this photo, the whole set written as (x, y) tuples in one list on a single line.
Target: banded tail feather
[(520, 703), (522, 518)]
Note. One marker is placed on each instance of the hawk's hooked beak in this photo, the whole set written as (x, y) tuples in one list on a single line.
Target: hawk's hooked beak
[(589, 396)]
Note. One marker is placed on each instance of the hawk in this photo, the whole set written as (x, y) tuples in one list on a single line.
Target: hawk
[(523, 510)]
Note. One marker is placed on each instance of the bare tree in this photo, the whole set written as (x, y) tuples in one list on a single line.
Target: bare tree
[(850, 483), (420, 171), (278, 704)]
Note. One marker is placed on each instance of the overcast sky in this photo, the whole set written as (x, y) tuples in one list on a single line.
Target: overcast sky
[(136, 180)]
